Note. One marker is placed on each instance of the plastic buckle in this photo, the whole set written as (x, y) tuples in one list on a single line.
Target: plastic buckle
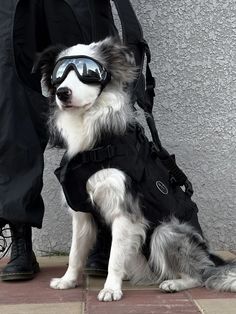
[(188, 188), (101, 154), (94, 156), (110, 151), (147, 49), (83, 158)]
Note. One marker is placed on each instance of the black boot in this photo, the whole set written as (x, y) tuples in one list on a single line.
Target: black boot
[(3, 238), (97, 263), (23, 264)]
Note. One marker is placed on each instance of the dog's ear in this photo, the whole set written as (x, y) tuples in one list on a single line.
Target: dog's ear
[(118, 59), (44, 64)]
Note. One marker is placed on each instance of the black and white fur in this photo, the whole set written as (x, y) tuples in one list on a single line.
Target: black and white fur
[(179, 258)]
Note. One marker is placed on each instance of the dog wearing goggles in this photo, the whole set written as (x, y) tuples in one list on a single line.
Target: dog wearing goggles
[(89, 91)]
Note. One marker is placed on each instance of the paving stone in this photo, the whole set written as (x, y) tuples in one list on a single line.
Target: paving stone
[(38, 290), (142, 302), (203, 293), (53, 308), (219, 306), (36, 297), (227, 255), (97, 283)]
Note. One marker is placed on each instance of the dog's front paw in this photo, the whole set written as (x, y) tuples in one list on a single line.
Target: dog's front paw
[(169, 286), (110, 295), (62, 283)]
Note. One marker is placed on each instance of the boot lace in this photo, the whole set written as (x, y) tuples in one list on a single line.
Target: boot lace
[(4, 236)]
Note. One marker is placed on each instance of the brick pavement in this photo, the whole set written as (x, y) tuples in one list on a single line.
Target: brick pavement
[(36, 297)]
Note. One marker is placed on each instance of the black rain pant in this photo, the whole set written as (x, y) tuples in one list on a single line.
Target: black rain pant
[(28, 27)]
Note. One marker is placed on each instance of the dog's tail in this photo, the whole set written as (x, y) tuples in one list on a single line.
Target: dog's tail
[(222, 276)]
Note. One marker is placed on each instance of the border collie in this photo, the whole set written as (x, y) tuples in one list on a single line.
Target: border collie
[(88, 89)]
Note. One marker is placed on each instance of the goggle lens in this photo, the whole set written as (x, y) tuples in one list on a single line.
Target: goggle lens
[(87, 69)]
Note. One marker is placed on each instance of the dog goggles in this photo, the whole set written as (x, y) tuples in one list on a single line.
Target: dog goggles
[(86, 68)]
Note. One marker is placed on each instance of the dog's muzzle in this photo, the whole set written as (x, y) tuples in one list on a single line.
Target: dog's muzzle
[(64, 94)]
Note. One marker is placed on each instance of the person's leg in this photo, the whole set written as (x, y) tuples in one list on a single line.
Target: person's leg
[(23, 137), (97, 263)]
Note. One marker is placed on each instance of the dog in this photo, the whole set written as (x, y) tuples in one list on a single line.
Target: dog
[(88, 87)]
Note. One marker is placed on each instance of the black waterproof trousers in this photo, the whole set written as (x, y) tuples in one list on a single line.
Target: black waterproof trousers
[(27, 27)]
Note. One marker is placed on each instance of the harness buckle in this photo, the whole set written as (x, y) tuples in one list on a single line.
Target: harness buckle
[(188, 188), (94, 155), (99, 154), (110, 151)]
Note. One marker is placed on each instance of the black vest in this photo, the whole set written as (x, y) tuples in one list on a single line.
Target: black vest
[(133, 154)]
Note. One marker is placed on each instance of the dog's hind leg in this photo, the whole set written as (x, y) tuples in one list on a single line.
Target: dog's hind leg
[(83, 238), (183, 283), (179, 256)]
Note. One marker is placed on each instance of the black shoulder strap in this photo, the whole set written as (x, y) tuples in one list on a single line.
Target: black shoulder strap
[(143, 90), (133, 37), (102, 19)]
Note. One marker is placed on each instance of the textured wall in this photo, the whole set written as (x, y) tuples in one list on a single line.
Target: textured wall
[(193, 59)]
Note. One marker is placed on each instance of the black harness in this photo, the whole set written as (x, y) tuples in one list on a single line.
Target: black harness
[(133, 154), (150, 169)]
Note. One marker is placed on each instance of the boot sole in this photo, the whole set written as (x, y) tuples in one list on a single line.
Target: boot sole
[(21, 275)]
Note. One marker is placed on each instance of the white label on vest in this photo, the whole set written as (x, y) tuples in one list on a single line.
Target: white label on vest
[(161, 187)]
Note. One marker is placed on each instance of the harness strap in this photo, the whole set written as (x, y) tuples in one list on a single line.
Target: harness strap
[(177, 175), (102, 19), (100, 154), (104, 153), (170, 164), (143, 88), (133, 37)]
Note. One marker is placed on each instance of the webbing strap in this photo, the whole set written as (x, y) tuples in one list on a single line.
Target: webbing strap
[(132, 33), (95, 155), (102, 19), (133, 37), (99, 154), (178, 175), (131, 28)]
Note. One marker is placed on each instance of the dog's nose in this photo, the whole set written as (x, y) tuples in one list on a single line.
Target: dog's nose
[(64, 93)]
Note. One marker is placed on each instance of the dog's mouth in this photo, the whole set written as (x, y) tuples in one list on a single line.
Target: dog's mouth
[(70, 106), (67, 106)]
